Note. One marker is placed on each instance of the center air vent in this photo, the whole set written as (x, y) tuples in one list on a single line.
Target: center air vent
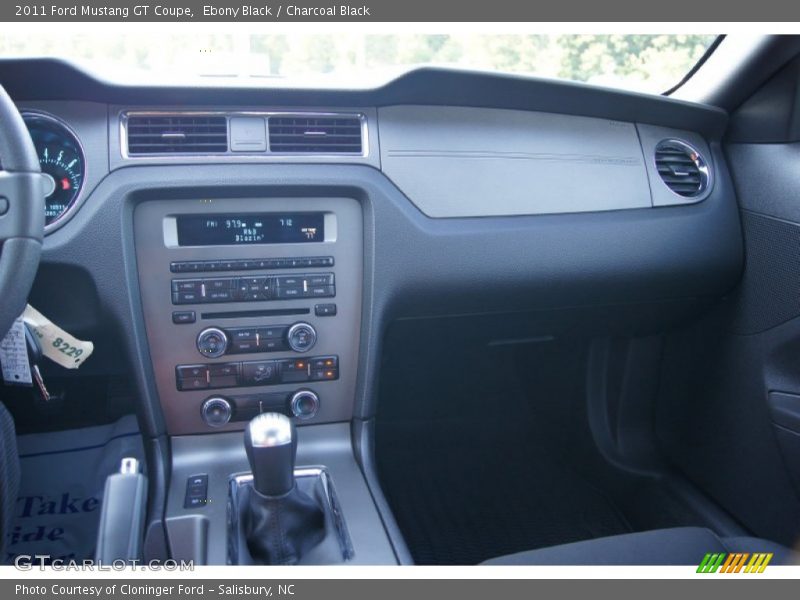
[(177, 134), (315, 135), (682, 168)]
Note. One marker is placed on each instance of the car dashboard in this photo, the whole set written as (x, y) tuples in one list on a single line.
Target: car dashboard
[(241, 250)]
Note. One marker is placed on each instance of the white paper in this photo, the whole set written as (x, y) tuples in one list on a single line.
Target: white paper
[(14, 355)]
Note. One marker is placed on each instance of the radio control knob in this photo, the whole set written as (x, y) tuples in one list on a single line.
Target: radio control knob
[(212, 342), (216, 411), (301, 337), (304, 404)]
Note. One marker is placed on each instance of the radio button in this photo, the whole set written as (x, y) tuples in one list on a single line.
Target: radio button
[(325, 310), (263, 372), (271, 345), (271, 332), (218, 284), (223, 382), (286, 293), (191, 371), (186, 285), (183, 317), (192, 383), (223, 375), (186, 298), (324, 374), (294, 365), (244, 346), (223, 370), (321, 261), (321, 279), (294, 371), (218, 296), (320, 291), (325, 362), (243, 333), (289, 281)]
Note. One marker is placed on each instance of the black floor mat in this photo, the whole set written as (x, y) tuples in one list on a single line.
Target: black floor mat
[(458, 504), (484, 449)]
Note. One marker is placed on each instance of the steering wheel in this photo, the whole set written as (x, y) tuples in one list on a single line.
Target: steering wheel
[(21, 213)]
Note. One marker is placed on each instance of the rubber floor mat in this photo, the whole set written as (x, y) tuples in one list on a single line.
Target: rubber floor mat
[(471, 492), (61, 488)]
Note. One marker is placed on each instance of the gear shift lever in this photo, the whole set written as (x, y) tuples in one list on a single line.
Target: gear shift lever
[(271, 445), (281, 522)]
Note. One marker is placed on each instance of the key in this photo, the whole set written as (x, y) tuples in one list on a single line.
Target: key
[(39, 381), (35, 356)]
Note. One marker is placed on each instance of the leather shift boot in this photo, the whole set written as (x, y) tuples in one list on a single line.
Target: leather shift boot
[(280, 530)]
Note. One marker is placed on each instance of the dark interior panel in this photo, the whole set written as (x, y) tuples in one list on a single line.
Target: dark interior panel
[(509, 460), (715, 423), (720, 415)]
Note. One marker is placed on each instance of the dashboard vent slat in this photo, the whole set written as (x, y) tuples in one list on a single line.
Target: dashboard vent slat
[(315, 135), (177, 134), (682, 168)]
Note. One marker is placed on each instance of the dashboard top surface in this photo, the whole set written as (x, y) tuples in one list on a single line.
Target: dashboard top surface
[(52, 79)]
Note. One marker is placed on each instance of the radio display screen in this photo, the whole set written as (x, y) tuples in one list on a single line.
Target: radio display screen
[(250, 228)]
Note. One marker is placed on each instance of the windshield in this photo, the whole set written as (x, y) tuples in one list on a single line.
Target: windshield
[(645, 63)]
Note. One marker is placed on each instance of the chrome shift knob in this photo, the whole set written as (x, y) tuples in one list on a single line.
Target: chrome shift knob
[(271, 444)]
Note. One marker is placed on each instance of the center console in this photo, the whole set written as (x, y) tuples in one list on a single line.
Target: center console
[(251, 305)]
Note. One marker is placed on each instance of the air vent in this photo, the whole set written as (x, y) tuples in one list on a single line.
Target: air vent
[(682, 168), (177, 134), (315, 135)]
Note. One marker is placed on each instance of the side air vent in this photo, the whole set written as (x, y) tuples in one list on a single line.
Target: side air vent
[(682, 168), (177, 134), (315, 135)]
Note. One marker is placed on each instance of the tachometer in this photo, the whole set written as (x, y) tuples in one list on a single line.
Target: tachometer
[(62, 162)]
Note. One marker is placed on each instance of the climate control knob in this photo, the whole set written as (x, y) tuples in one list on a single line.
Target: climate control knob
[(212, 342), (216, 411), (301, 337), (304, 404)]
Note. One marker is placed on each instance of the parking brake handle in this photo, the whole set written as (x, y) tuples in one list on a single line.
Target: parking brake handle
[(122, 516)]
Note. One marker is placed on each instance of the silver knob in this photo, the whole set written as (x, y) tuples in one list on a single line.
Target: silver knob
[(304, 404), (271, 447), (270, 429), (216, 411), (301, 337), (212, 342)]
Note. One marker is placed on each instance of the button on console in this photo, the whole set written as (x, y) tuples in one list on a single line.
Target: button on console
[(261, 372), (325, 310), (183, 317), (212, 342), (301, 337), (192, 383)]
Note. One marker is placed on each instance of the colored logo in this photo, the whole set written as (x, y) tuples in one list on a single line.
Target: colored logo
[(735, 563)]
